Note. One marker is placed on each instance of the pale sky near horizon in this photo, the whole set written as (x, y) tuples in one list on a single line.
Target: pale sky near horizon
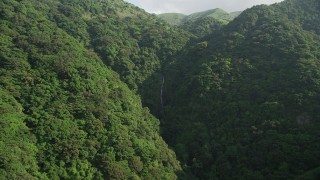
[(191, 6)]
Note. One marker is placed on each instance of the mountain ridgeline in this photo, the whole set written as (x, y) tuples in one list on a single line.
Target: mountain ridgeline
[(200, 24), (218, 14), (89, 88)]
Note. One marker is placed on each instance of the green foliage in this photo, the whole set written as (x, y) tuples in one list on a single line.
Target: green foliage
[(17, 144), (203, 26), (132, 42), (173, 18), (242, 102), (200, 24), (216, 14), (64, 114), (237, 99)]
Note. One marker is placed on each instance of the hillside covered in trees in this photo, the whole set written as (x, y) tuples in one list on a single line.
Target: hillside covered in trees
[(200, 24), (65, 113), (217, 14), (96, 89), (244, 102)]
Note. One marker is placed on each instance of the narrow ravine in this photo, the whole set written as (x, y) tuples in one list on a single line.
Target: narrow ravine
[(161, 93)]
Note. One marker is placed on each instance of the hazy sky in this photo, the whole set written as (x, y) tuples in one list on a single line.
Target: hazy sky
[(191, 6)]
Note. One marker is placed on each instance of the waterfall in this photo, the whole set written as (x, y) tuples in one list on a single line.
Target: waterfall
[(161, 92)]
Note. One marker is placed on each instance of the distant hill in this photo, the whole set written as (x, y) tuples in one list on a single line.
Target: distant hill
[(235, 14), (173, 18), (217, 14)]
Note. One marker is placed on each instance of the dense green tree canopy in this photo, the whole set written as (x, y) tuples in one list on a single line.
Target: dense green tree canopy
[(236, 99), (244, 102), (64, 113)]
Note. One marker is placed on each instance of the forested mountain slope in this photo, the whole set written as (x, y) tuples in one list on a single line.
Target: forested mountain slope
[(202, 27), (243, 103), (236, 101), (132, 42), (217, 14), (200, 24), (64, 114), (173, 18), (129, 40)]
